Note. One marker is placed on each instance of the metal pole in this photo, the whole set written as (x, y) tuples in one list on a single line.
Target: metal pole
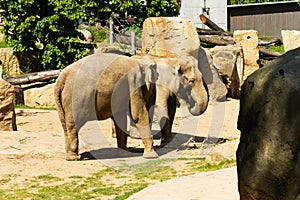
[(133, 46), (111, 29), (204, 11)]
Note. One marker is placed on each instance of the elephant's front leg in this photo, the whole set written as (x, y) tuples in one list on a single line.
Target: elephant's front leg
[(149, 151), (120, 125), (140, 117)]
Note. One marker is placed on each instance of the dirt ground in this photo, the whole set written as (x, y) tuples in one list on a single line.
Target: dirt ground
[(37, 148)]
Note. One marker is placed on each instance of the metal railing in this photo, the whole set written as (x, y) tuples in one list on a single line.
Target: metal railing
[(128, 40)]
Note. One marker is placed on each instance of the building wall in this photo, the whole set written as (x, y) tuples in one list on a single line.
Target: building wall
[(267, 18), (191, 9)]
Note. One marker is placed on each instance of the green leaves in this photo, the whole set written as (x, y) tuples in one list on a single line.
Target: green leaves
[(44, 32)]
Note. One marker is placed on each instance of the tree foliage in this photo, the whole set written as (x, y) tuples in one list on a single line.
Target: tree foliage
[(43, 33)]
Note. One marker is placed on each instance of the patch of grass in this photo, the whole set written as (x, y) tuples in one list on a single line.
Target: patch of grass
[(5, 180), (109, 183), (76, 177), (134, 188), (21, 106), (200, 165), (48, 177), (279, 49)]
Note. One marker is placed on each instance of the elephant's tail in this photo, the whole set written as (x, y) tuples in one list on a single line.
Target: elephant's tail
[(59, 86)]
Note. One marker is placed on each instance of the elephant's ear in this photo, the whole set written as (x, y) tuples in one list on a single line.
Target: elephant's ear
[(176, 65), (151, 74)]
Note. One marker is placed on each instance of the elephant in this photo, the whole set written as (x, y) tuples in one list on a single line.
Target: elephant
[(179, 77), (102, 86)]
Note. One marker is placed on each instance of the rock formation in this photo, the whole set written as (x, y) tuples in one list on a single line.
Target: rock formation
[(175, 36), (269, 150), (7, 110), (290, 39), (40, 97), (229, 60), (217, 89), (248, 39)]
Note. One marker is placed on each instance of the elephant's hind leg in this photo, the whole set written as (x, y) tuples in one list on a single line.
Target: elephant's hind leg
[(121, 133), (71, 140)]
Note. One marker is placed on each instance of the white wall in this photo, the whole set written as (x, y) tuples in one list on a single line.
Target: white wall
[(191, 9)]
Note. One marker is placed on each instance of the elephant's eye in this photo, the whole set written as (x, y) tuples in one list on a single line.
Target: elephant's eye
[(180, 72), (191, 82)]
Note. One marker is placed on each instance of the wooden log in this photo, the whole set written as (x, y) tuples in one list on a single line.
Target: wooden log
[(32, 77), (202, 31), (276, 41), (210, 23), (216, 39), (269, 52)]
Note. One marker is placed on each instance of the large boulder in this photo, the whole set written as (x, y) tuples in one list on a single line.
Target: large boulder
[(268, 156), (229, 60), (175, 36), (216, 88), (169, 37), (40, 96), (290, 39), (7, 110), (248, 39)]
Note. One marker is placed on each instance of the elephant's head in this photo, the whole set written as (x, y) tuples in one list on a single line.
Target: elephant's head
[(193, 89), (186, 82)]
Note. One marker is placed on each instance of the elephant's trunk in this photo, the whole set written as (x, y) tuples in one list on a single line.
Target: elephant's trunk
[(198, 109), (200, 98)]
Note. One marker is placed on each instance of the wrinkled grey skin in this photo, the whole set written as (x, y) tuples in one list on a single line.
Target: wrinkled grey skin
[(97, 87), (178, 78)]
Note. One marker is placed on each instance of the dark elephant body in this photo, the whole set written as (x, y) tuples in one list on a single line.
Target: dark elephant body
[(101, 86), (268, 155)]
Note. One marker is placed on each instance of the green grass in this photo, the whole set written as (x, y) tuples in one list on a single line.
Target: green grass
[(279, 49), (21, 106), (108, 183)]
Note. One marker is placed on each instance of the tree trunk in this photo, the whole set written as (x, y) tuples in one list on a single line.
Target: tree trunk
[(269, 52), (201, 31), (210, 23), (276, 41), (33, 77), (216, 39)]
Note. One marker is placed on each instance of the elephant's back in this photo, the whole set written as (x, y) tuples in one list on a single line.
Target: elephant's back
[(113, 85)]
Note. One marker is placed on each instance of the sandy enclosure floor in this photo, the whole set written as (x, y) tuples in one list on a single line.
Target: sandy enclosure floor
[(37, 148)]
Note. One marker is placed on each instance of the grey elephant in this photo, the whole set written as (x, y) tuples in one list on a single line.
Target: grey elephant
[(102, 86), (179, 77)]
